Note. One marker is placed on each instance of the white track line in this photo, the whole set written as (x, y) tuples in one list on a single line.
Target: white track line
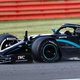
[(68, 79)]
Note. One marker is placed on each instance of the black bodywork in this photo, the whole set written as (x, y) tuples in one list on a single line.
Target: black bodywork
[(68, 42), (18, 51)]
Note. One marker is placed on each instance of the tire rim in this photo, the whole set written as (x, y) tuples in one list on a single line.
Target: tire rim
[(49, 51), (7, 43)]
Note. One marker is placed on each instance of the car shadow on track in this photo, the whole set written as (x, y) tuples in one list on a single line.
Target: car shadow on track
[(36, 62)]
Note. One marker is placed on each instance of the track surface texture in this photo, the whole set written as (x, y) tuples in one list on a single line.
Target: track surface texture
[(41, 71)]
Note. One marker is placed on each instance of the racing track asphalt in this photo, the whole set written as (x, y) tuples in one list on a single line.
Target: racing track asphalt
[(41, 71)]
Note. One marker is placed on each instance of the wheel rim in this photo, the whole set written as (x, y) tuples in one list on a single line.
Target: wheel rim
[(49, 52), (7, 43)]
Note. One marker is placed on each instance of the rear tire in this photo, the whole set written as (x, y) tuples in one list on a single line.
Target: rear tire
[(45, 49)]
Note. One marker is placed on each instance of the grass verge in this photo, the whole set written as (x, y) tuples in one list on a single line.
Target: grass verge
[(44, 26)]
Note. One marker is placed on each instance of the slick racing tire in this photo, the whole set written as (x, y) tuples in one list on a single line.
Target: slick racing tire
[(45, 49), (7, 40)]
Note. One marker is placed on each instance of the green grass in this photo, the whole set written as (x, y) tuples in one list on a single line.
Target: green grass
[(18, 28)]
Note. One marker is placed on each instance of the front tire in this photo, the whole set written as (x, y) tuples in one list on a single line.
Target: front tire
[(7, 40), (45, 49)]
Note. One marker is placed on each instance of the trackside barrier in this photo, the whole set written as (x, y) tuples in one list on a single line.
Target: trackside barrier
[(38, 10), (7, 1), (31, 0)]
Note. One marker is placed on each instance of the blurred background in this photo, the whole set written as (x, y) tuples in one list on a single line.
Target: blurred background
[(37, 16)]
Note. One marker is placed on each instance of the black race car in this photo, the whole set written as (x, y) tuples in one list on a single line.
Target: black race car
[(64, 43)]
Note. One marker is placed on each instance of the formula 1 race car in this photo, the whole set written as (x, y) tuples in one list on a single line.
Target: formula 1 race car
[(64, 43)]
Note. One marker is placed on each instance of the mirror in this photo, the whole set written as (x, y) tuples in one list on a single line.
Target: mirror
[(54, 30)]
